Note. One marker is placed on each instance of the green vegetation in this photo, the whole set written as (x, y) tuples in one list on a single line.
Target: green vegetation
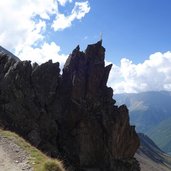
[(151, 113), (161, 135), (52, 165), (38, 160)]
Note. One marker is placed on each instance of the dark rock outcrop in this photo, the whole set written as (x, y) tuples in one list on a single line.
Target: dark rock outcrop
[(71, 116), (3, 51)]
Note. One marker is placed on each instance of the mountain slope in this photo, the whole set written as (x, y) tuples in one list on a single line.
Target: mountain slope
[(161, 134), (151, 158), (147, 109), (151, 113), (17, 155), (6, 52), (12, 157)]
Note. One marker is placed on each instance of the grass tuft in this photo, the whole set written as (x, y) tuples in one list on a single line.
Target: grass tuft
[(52, 165)]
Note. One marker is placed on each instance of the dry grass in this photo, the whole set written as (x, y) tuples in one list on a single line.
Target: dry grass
[(52, 165), (38, 160)]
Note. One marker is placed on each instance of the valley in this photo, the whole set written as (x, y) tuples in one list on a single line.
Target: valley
[(150, 112)]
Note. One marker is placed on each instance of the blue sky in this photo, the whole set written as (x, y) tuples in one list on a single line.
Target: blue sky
[(133, 29), (136, 35)]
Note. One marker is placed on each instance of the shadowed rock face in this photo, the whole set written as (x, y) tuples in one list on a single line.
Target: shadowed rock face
[(73, 115)]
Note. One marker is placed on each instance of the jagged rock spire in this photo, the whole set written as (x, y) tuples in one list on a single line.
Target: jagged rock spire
[(72, 115)]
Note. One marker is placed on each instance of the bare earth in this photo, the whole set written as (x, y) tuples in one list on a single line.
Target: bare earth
[(148, 164), (12, 157)]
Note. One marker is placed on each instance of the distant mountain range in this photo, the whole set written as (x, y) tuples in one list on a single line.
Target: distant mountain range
[(151, 113)]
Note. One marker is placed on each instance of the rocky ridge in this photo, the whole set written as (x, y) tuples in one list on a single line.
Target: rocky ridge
[(3, 51), (71, 116)]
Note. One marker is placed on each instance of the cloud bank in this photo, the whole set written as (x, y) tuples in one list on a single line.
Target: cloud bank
[(24, 25), (153, 74)]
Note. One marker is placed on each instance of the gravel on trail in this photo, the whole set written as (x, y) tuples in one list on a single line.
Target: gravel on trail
[(13, 157)]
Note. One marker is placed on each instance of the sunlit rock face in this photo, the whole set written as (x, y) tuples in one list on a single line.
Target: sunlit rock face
[(71, 116)]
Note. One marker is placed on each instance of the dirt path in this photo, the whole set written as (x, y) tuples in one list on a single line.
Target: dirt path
[(12, 157)]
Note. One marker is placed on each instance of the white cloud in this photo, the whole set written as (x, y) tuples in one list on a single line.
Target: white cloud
[(152, 74), (80, 9), (44, 53), (63, 2), (18, 26), (24, 24), (61, 22), (78, 12)]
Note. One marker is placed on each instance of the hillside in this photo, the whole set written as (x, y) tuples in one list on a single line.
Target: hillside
[(12, 157), (161, 134), (151, 113), (17, 155), (151, 158)]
